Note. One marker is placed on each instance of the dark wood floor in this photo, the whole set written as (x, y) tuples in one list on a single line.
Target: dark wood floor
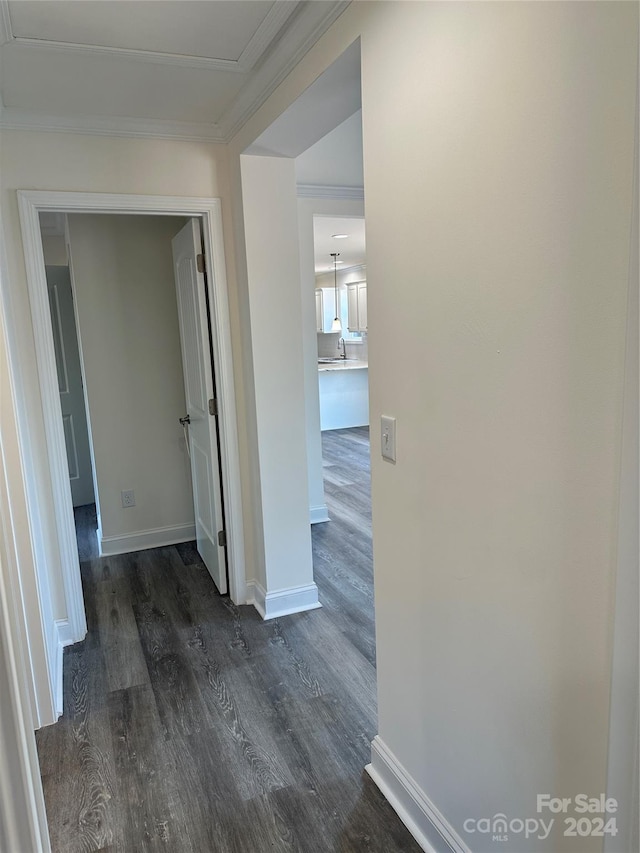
[(192, 725)]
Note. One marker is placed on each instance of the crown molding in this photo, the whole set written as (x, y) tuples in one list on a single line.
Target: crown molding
[(342, 270), (5, 22), (273, 22), (355, 268), (276, 17), (15, 119), (330, 192), (310, 23)]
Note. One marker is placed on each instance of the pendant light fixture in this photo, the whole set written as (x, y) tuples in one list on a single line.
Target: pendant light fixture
[(336, 326)]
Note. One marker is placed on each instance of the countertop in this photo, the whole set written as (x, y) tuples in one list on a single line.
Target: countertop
[(348, 364)]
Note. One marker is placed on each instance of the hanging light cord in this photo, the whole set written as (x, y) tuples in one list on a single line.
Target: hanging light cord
[(335, 256)]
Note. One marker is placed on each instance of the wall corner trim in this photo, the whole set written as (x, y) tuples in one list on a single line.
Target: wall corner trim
[(318, 514), (421, 817), (256, 595), (282, 602)]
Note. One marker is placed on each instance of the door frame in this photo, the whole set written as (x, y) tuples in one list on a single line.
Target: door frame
[(209, 210), (65, 336)]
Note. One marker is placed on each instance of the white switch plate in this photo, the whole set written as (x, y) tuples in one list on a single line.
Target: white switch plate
[(388, 437)]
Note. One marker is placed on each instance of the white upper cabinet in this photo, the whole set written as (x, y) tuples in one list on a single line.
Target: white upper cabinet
[(326, 307), (362, 305), (357, 306), (352, 308)]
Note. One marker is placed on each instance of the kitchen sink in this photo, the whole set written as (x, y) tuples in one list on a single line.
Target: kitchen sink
[(330, 360)]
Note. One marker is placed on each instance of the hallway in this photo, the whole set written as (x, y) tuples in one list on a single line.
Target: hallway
[(192, 725)]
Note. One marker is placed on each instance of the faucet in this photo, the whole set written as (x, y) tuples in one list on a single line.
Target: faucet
[(342, 343)]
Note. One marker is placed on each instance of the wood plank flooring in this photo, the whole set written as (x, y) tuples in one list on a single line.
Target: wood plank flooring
[(191, 725)]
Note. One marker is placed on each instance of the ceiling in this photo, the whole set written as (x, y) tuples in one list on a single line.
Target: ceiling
[(336, 160), (351, 248), (185, 69), (191, 69)]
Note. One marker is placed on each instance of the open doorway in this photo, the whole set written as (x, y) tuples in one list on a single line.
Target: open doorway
[(342, 548), (60, 554), (136, 384), (323, 178), (341, 321)]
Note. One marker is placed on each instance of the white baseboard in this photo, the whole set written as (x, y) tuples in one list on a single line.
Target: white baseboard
[(156, 538), (256, 595), (65, 635), (282, 602), (423, 820), (318, 514), (64, 638)]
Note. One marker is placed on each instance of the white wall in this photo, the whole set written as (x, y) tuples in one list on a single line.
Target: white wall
[(22, 812), (23, 822), (336, 159), (498, 149), (32, 625), (623, 759), (273, 276), (128, 322), (514, 188)]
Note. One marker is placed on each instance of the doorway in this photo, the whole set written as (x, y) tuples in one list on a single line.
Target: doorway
[(146, 361), (70, 379), (342, 548), (31, 204)]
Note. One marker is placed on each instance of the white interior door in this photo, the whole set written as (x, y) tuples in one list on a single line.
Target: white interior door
[(74, 417), (199, 391)]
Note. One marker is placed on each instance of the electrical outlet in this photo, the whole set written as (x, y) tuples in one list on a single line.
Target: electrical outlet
[(128, 498)]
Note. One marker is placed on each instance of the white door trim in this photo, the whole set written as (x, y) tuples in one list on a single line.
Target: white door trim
[(31, 203), (23, 819)]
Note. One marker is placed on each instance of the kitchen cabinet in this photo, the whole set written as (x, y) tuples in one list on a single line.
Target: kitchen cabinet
[(344, 395), (326, 307), (357, 306)]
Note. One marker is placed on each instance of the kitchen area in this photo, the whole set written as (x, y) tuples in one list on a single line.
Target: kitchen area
[(341, 322)]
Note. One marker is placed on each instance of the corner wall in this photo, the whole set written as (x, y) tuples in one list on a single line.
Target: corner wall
[(498, 152), (275, 299), (624, 758)]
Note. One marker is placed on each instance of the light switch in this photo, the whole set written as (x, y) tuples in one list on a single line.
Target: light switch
[(388, 435)]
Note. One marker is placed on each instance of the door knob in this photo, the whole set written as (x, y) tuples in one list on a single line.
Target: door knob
[(185, 420)]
